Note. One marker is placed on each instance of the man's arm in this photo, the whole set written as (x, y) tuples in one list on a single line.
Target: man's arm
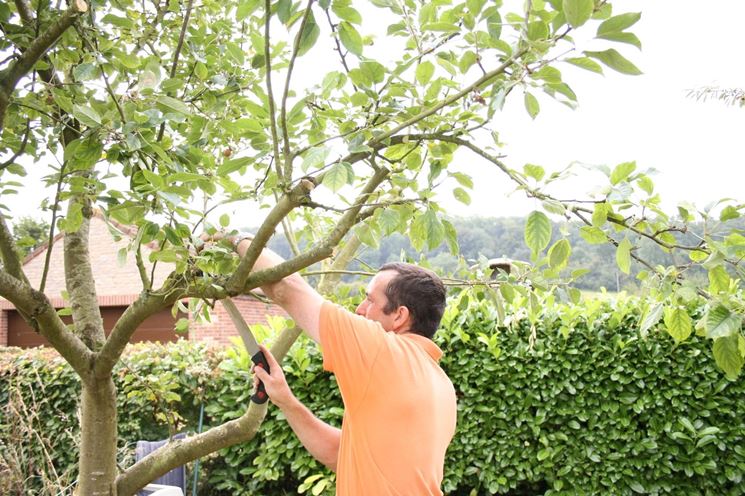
[(293, 293), (319, 438)]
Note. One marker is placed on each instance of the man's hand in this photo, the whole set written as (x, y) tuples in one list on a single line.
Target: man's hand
[(275, 382)]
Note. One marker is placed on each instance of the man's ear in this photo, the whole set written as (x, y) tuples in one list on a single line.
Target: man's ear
[(402, 319)]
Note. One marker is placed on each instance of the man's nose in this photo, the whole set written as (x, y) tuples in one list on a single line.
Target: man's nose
[(361, 308)]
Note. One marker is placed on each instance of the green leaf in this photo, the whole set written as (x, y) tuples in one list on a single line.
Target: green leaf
[(593, 235), (230, 166), (629, 38), (651, 317), (86, 115), (309, 36), (532, 105), (463, 179), (728, 213), (346, 13), (338, 176), (462, 196), (543, 454), (719, 280), (315, 158), (615, 61), (388, 220), (174, 105), (623, 255), (618, 23), (245, 9), (728, 356), (424, 72), (645, 183), (585, 63), (427, 228), (537, 31), (224, 220), (84, 72), (678, 323), (600, 214), (467, 60), (722, 322), (621, 172), (558, 255), (535, 171), (537, 231), (350, 38), (494, 25), (577, 12)]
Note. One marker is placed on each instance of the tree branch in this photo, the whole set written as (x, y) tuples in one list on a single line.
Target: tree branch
[(81, 284), (269, 91), (41, 316), (180, 452), (457, 96), (285, 205), (146, 305), (35, 51), (322, 250), (21, 149), (9, 254), (176, 56), (283, 108)]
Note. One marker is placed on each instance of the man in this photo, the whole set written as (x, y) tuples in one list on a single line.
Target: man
[(400, 407)]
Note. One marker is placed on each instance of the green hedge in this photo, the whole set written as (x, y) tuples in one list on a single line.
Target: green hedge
[(590, 408)]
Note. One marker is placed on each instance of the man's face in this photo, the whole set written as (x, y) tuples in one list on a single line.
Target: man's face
[(376, 300)]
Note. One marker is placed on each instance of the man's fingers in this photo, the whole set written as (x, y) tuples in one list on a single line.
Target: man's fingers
[(262, 374), (269, 357)]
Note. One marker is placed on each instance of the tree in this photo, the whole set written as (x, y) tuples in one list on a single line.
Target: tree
[(159, 113), (29, 234)]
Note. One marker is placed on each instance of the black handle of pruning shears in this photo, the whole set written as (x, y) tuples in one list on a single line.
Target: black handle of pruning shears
[(259, 397)]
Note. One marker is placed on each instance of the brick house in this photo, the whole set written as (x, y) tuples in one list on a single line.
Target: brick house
[(119, 287)]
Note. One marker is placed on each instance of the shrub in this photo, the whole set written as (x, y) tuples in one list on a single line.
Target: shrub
[(591, 407)]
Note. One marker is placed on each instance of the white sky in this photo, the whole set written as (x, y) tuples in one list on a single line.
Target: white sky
[(696, 146)]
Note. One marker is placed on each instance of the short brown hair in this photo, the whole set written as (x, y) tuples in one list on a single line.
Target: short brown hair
[(419, 290)]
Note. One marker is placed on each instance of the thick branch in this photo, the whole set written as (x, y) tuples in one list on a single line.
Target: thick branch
[(81, 285), (322, 250), (39, 313), (284, 206), (178, 453), (9, 254), (146, 305), (332, 276), (182, 451)]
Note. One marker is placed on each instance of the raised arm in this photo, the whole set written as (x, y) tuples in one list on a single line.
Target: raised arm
[(293, 293)]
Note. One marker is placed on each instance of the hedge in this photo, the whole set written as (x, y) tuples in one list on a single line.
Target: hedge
[(591, 407)]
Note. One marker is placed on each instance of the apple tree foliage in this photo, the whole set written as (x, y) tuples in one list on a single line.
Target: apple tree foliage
[(330, 121)]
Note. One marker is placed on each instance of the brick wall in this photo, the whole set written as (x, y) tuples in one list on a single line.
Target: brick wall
[(3, 328), (221, 329)]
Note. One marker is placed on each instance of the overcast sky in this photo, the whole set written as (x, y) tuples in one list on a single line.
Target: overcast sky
[(697, 147)]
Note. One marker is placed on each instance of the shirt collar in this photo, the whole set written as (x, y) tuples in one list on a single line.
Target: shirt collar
[(427, 344)]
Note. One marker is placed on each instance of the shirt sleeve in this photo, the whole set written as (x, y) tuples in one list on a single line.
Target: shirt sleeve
[(350, 344)]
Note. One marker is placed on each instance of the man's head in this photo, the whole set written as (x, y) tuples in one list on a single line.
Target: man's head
[(405, 298)]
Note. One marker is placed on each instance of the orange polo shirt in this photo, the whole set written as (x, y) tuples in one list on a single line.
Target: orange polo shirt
[(400, 407)]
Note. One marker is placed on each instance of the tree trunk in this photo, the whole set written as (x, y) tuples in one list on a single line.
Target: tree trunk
[(98, 439)]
